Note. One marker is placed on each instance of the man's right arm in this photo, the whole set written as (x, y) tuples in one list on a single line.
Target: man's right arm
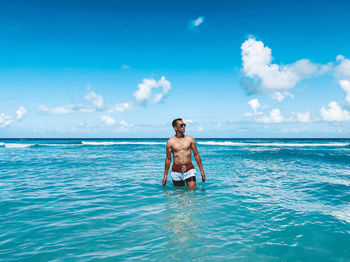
[(167, 162)]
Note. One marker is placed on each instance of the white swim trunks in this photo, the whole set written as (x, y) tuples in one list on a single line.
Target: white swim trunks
[(177, 176)]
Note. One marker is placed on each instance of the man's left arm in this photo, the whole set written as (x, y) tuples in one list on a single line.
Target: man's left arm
[(197, 158)]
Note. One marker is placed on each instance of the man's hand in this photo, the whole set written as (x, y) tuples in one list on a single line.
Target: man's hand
[(203, 177), (164, 181)]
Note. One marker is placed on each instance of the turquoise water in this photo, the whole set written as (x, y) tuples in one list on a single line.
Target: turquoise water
[(88, 200)]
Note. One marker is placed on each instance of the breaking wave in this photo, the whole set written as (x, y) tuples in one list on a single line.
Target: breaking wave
[(205, 143), (229, 143), (12, 145), (120, 143)]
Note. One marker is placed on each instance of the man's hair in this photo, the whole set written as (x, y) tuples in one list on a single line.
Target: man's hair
[(175, 121)]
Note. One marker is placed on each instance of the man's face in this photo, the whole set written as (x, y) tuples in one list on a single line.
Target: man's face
[(180, 127)]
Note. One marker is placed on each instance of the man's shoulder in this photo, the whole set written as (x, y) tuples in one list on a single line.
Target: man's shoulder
[(170, 140), (189, 137)]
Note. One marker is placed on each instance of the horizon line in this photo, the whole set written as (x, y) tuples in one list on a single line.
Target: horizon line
[(125, 138)]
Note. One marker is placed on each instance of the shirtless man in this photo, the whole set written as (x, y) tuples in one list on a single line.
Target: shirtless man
[(181, 145)]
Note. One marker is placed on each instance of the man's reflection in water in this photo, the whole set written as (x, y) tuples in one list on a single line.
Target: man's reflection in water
[(182, 217)]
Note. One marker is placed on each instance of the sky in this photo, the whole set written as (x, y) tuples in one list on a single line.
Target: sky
[(230, 69)]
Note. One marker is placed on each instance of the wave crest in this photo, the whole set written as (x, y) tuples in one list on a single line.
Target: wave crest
[(11, 145), (229, 143), (120, 143)]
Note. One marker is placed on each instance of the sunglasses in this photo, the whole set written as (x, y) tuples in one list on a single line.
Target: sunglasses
[(182, 125)]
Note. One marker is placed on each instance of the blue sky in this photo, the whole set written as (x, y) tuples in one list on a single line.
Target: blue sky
[(127, 68)]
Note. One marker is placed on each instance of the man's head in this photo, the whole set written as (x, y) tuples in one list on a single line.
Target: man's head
[(179, 125)]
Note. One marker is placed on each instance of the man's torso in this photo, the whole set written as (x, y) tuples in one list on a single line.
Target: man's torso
[(181, 149)]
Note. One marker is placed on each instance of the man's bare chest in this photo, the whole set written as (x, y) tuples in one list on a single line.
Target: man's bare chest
[(181, 146)]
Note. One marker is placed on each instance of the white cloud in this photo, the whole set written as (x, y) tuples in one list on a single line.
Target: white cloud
[(197, 22), (340, 58), (149, 91), (303, 117), (43, 108), (58, 110), (255, 105), (124, 126), (345, 84), (144, 92), (5, 120), (84, 125), (61, 110), (21, 111), (125, 67), (91, 96), (96, 99), (124, 123), (275, 116), (279, 96), (67, 109), (108, 120), (187, 121), (145, 89), (326, 68), (83, 109), (343, 69), (248, 114), (272, 77), (303, 68), (342, 73), (120, 107), (334, 113)]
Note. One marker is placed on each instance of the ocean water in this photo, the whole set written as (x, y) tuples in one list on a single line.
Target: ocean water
[(102, 200)]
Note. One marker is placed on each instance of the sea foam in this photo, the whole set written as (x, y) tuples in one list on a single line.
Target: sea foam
[(342, 214), (205, 143), (229, 143), (12, 145), (120, 143)]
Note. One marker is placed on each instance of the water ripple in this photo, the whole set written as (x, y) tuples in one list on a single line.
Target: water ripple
[(276, 202)]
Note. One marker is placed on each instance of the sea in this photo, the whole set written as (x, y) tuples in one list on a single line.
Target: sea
[(102, 200)]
